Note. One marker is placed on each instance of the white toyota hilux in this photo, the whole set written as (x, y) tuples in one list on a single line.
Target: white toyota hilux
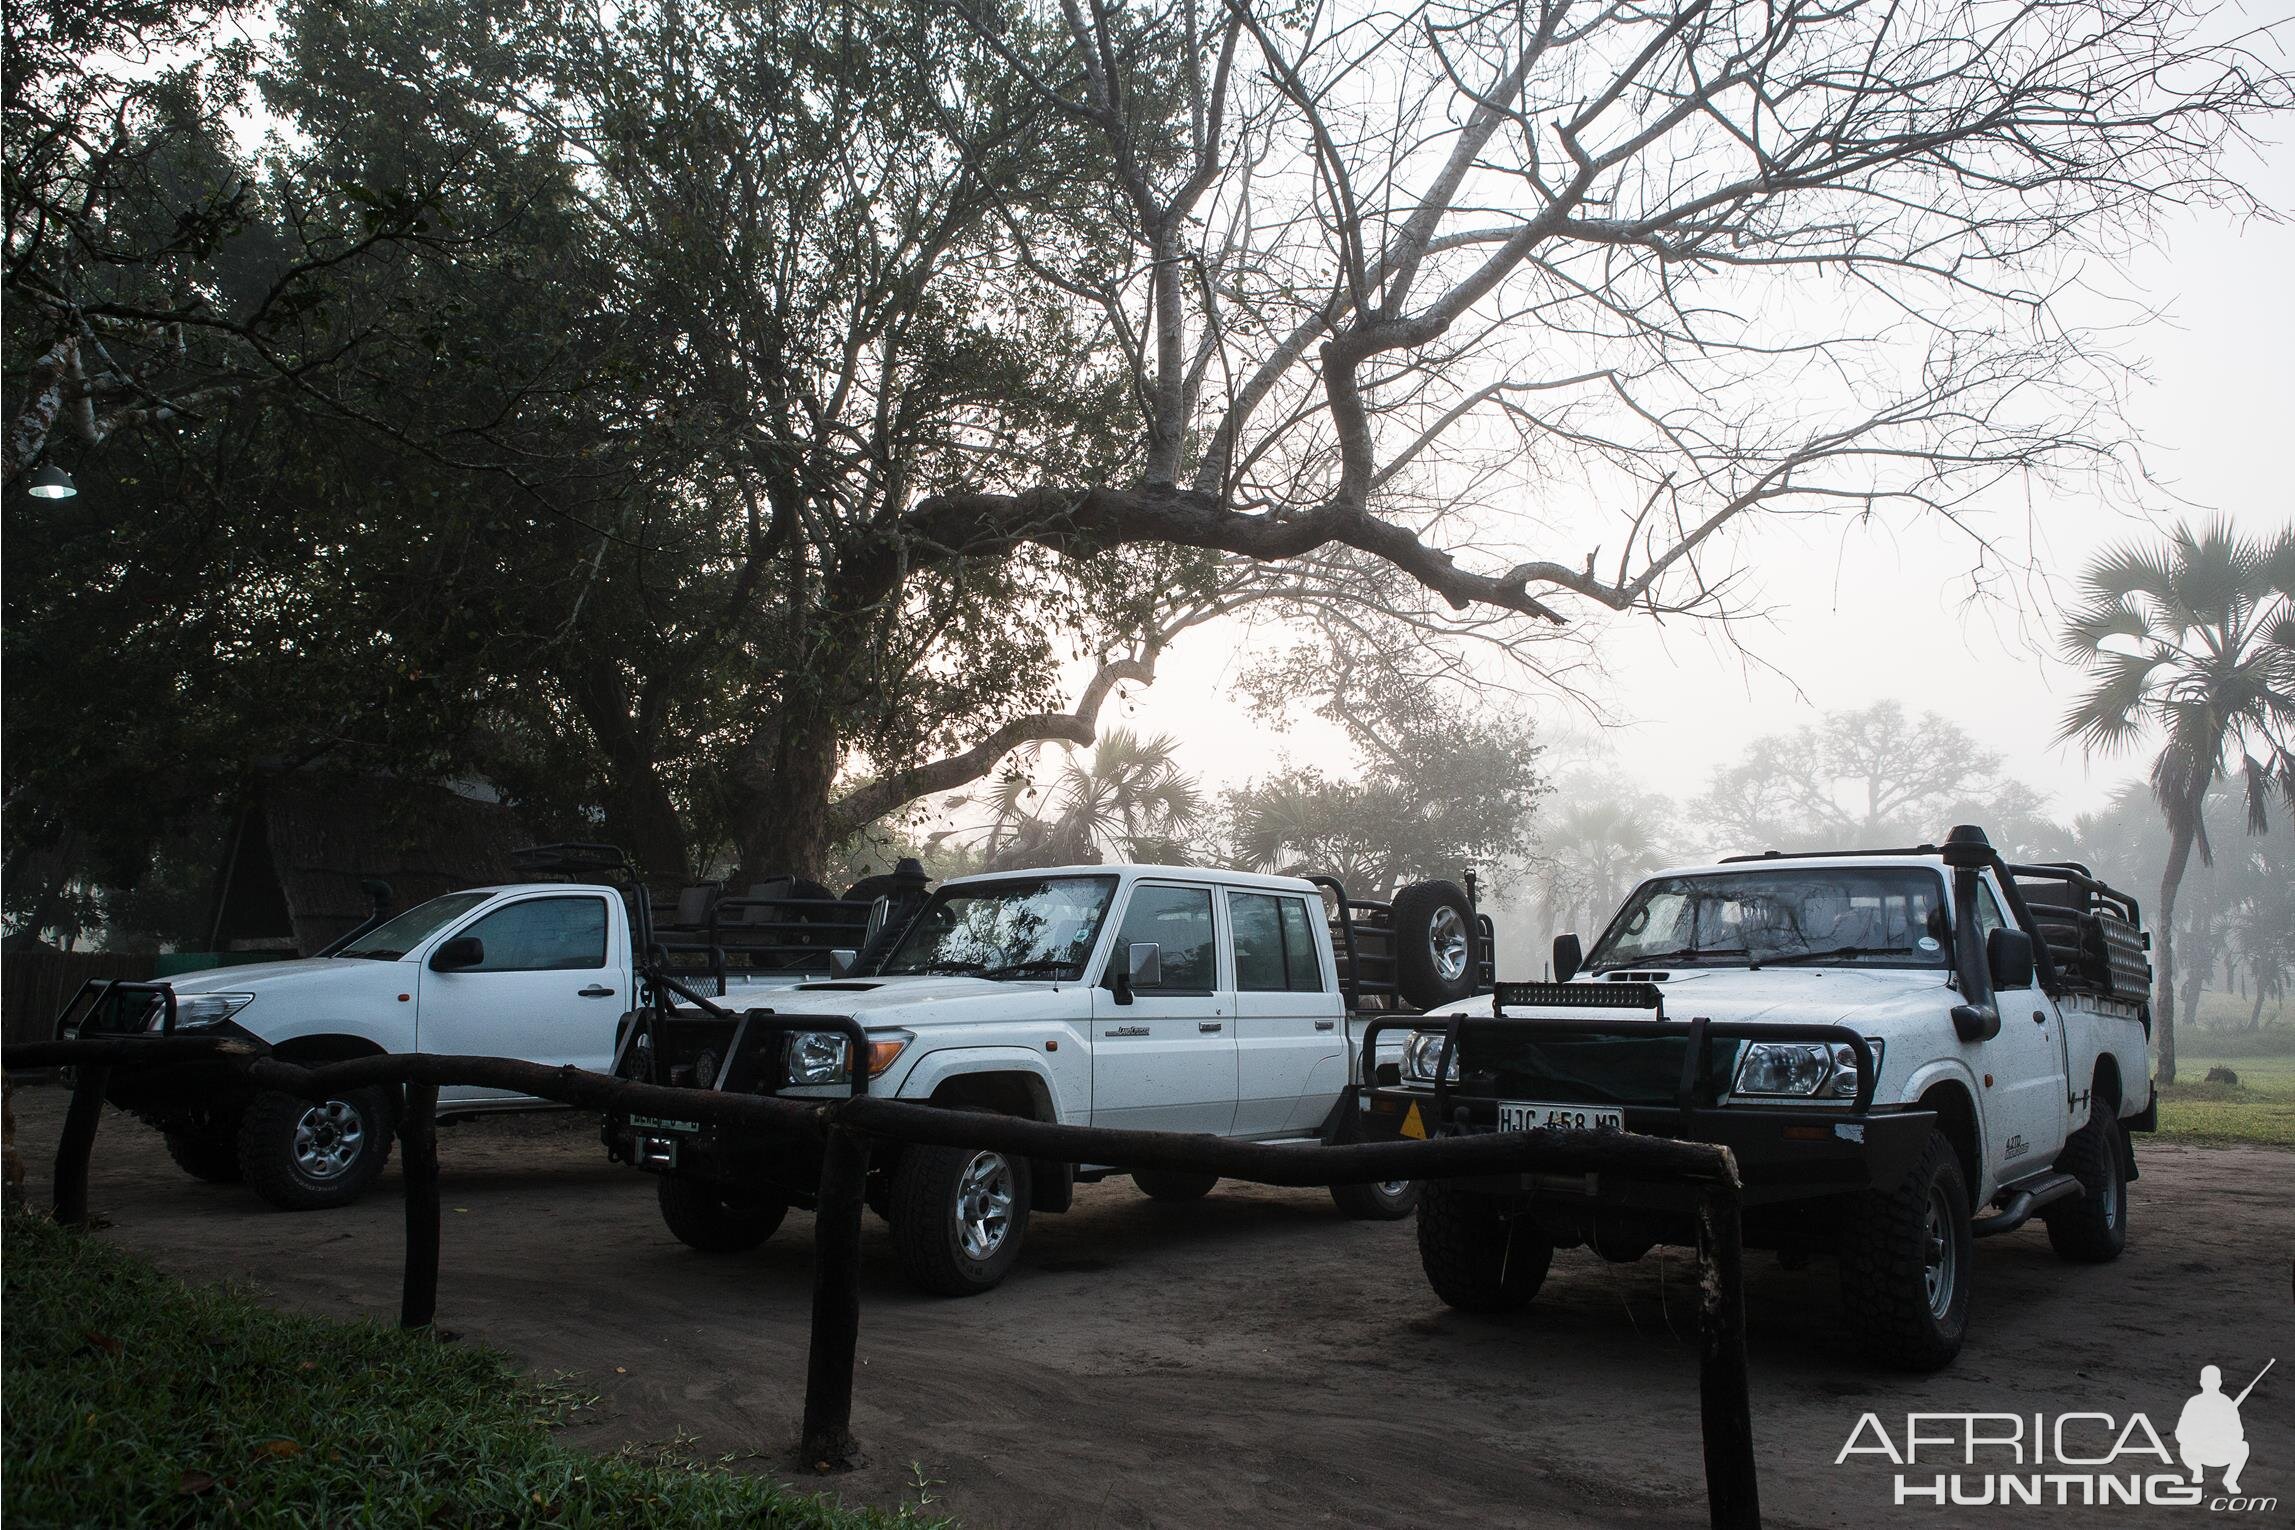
[(536, 971), (1160, 998), (1906, 1050)]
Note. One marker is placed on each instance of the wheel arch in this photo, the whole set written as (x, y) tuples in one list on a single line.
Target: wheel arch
[(1956, 1117), (2110, 1089), (996, 1084), (325, 1047)]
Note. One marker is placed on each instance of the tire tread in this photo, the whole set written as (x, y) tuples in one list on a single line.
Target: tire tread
[(1882, 1256)]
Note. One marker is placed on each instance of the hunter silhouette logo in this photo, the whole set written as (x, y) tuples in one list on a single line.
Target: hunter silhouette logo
[(2209, 1431)]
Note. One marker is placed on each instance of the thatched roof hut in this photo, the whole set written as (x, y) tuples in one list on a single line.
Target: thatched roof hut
[(305, 846)]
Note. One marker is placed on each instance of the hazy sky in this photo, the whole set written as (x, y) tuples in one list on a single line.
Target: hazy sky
[(1862, 615)]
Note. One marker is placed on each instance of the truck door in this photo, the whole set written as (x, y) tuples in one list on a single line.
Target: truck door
[(2025, 1064), (548, 990), (1166, 1061), (1287, 1020)]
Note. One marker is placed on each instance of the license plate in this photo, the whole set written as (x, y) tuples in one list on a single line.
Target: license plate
[(1527, 1115), (656, 1123)]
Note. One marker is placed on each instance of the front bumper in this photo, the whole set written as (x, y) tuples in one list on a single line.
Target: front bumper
[(1783, 1153), (185, 1096)]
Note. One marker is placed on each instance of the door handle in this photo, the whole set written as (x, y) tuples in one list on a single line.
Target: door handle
[(594, 991), (1208, 1026), (1324, 1025)]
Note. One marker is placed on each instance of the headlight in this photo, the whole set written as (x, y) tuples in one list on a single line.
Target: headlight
[(1422, 1054), (1845, 1078), (1784, 1067), (822, 1057), (1802, 1069), (196, 1011), (817, 1057)]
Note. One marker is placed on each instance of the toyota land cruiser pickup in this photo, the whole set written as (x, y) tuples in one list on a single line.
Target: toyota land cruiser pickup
[(1906, 1050), (1159, 998)]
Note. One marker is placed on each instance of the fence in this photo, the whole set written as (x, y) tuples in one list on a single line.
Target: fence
[(845, 1129), (35, 982)]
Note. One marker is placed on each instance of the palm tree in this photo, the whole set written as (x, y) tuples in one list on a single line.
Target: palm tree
[(1592, 852), (2195, 641), (1128, 796)]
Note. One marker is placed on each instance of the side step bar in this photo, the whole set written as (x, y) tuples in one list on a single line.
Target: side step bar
[(2030, 1196)]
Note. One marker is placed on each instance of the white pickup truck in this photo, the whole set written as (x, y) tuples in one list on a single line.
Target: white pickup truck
[(1159, 998), (537, 971), (1889, 1041)]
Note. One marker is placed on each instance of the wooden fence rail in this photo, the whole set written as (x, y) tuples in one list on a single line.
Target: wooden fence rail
[(845, 1128)]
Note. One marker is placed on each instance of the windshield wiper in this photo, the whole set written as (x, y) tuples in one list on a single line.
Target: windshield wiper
[(1667, 958), (1792, 957), (1034, 964), (378, 954), (954, 968)]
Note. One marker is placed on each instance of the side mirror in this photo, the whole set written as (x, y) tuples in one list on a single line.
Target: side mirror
[(461, 952), (1143, 964), (1569, 956), (841, 962), (2008, 953), (1138, 965)]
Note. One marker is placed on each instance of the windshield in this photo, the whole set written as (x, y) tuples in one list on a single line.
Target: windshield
[(1040, 927), (389, 941), (1866, 916)]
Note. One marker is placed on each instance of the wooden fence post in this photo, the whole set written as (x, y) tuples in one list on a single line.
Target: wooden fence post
[(418, 1161), (1725, 1403), (79, 1142), (827, 1442)]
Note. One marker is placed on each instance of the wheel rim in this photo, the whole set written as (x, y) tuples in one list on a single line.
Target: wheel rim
[(1393, 1189), (2113, 1190), (1941, 1267), (1446, 931), (984, 1205), (329, 1139)]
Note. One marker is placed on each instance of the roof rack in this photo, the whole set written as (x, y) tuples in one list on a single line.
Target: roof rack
[(1819, 855), (569, 857)]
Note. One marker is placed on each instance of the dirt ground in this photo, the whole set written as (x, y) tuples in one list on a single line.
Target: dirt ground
[(1254, 1358)]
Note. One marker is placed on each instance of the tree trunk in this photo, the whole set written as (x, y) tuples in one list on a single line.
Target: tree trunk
[(2192, 984), (2179, 856), (2255, 1015), (640, 817), (784, 823)]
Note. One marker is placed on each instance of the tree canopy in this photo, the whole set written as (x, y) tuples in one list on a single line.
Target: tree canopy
[(721, 424)]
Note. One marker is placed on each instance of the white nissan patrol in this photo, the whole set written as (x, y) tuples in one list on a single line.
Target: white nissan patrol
[(1906, 1050)]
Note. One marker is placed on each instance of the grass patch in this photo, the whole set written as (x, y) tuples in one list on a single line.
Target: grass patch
[(2260, 1108), (132, 1398)]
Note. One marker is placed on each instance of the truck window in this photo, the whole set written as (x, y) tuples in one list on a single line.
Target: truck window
[(1878, 916), (543, 935), (1988, 915), (389, 942), (1274, 944), (1302, 961), (1179, 920)]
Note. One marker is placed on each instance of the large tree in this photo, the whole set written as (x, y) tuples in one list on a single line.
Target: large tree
[(803, 386), (2191, 642), (1870, 777), (1437, 779)]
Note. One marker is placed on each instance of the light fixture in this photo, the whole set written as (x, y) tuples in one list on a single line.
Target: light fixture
[(51, 482)]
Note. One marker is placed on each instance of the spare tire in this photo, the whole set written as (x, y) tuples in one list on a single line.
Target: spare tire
[(1437, 952)]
